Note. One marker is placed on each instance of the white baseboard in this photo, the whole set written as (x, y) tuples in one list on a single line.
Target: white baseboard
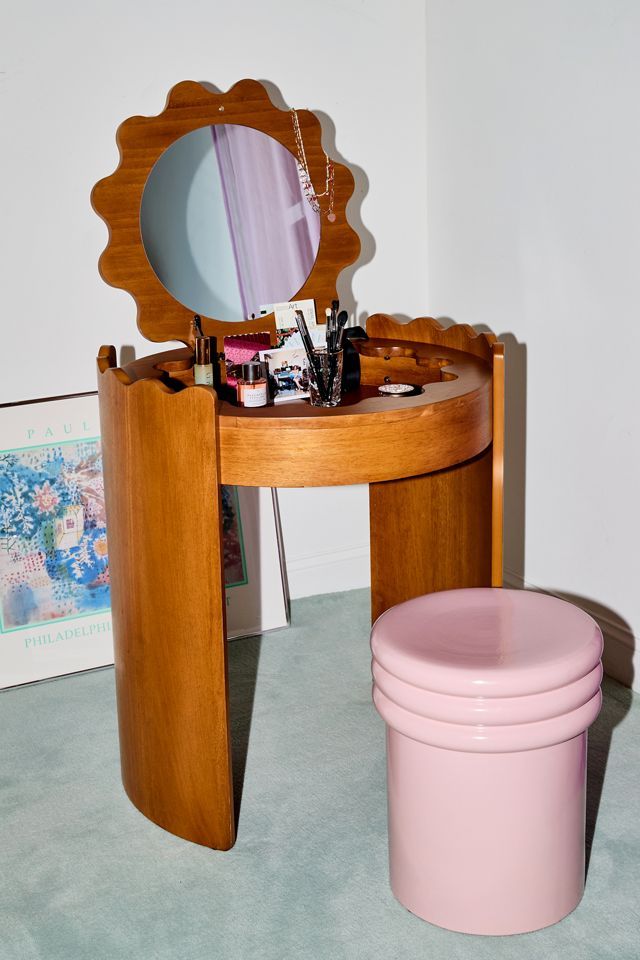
[(329, 572), (621, 657)]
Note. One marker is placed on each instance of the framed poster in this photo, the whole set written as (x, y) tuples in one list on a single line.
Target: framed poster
[(54, 574), (255, 579), (54, 569)]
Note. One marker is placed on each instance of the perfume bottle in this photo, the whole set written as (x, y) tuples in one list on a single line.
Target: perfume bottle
[(203, 367), (252, 386)]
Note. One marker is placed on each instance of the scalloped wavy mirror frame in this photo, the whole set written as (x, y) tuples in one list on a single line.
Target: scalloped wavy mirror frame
[(142, 140)]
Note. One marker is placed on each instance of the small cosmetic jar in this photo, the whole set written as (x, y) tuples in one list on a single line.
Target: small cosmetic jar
[(399, 390), (252, 386)]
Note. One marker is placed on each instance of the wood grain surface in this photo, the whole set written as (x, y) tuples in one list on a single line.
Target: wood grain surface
[(431, 532), (459, 336), (165, 554), (435, 489), (117, 198), (369, 438)]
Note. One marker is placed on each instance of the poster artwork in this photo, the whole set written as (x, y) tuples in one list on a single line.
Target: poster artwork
[(54, 567)]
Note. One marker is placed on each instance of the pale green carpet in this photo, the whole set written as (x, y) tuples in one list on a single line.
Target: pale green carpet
[(86, 877)]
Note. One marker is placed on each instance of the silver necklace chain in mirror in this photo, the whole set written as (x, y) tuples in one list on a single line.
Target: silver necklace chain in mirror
[(305, 176)]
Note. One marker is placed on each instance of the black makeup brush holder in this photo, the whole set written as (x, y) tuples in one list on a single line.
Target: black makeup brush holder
[(351, 361)]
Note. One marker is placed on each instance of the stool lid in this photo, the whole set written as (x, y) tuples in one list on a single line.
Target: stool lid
[(484, 642)]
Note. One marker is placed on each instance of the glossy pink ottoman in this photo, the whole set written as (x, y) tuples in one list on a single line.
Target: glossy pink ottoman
[(487, 696)]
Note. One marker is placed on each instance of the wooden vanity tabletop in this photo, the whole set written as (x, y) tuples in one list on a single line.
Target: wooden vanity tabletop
[(464, 375), (366, 439)]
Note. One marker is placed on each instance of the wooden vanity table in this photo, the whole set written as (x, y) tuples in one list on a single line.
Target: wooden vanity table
[(433, 463)]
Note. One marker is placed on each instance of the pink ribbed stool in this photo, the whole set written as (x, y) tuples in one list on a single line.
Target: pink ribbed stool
[(487, 695)]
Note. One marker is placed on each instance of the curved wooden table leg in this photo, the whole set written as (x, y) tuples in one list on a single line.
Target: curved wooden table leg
[(165, 548), (431, 532)]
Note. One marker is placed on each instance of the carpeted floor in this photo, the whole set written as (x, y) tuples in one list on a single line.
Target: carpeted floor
[(86, 877)]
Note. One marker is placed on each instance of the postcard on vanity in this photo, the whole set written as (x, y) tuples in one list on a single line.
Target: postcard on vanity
[(54, 567), (287, 373), (285, 317), (285, 312)]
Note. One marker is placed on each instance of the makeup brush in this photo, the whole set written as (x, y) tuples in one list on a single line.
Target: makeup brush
[(304, 332), (329, 331), (335, 306), (338, 322), (341, 323), (311, 357)]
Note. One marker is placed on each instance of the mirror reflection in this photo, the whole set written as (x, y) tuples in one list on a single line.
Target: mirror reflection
[(225, 223)]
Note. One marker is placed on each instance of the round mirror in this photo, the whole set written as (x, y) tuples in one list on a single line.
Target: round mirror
[(225, 222)]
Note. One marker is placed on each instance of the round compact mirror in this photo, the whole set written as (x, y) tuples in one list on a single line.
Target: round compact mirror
[(225, 222)]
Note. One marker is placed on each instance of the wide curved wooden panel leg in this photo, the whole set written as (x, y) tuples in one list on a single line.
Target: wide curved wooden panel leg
[(431, 532), (165, 551)]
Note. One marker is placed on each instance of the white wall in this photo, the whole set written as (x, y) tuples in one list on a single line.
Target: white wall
[(534, 230), (72, 71)]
